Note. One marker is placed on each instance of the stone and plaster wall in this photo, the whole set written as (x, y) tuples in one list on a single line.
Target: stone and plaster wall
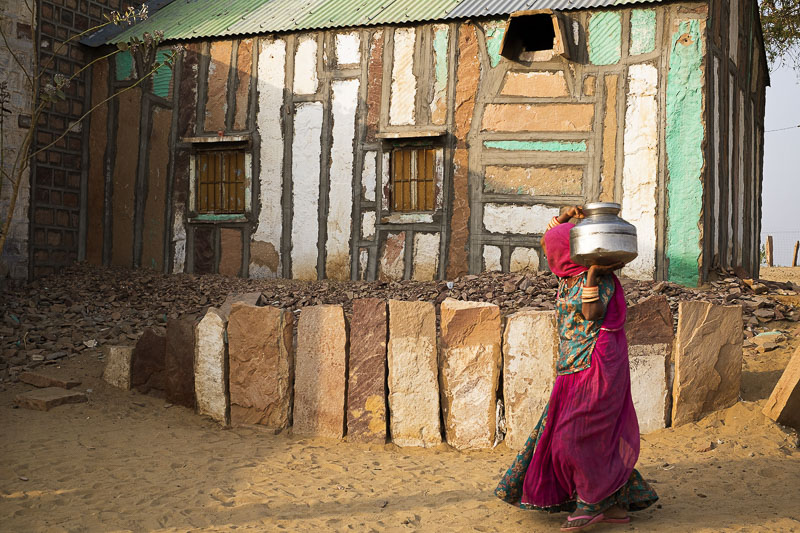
[(623, 119), (17, 26)]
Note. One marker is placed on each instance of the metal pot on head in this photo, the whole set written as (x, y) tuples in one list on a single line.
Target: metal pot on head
[(602, 238)]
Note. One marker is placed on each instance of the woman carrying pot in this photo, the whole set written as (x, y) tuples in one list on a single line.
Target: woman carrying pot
[(580, 457)]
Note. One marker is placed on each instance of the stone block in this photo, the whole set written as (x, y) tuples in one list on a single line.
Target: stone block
[(250, 298), (366, 380), (118, 366), (413, 375), (783, 405), (469, 372), (530, 349), (649, 384), (46, 399), (37, 379), (211, 367), (650, 322), (261, 365), (708, 360), (147, 365), (179, 362), (319, 388)]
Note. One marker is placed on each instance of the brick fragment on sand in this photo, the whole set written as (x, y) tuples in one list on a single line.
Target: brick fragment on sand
[(783, 405), (366, 390), (708, 360), (118, 366), (46, 399), (37, 379), (319, 389)]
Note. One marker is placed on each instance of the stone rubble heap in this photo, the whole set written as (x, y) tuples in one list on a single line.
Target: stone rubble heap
[(84, 308)]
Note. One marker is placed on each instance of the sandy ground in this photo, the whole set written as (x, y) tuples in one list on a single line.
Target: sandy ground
[(781, 274), (127, 462)]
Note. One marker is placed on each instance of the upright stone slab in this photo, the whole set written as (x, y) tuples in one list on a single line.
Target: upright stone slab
[(366, 380), (649, 385), (147, 365), (783, 405), (210, 367), (319, 387), (261, 365), (413, 375), (530, 349), (179, 361), (469, 372), (118, 366), (650, 322), (708, 360)]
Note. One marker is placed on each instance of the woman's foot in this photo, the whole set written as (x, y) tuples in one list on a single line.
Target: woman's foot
[(614, 515)]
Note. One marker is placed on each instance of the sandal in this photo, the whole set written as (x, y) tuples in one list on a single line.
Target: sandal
[(592, 519), (625, 520)]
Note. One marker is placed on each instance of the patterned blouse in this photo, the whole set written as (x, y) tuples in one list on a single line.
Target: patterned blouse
[(577, 336)]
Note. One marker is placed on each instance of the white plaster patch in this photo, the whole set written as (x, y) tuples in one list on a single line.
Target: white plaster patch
[(518, 219), (363, 263), (640, 167), (179, 241), (440, 66), (348, 48), (385, 181), (305, 66), (404, 82), (392, 261), (368, 225), (426, 256), (491, 258), (649, 385), (306, 148), (340, 195), (524, 259), (271, 79), (369, 176)]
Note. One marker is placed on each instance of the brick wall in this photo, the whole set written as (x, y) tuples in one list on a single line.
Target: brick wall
[(16, 23), (59, 171)]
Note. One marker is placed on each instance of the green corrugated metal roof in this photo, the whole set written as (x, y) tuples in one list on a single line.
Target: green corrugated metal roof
[(190, 19)]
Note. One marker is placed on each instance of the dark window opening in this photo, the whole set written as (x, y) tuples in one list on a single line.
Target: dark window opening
[(220, 182), (413, 174), (534, 31)]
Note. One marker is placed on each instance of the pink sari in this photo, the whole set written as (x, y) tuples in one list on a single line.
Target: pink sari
[(584, 449)]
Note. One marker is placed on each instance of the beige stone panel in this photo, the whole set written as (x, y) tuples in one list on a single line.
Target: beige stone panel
[(538, 117), (608, 170), (783, 405), (524, 259), (426, 256), (469, 372), (535, 84), (708, 360), (549, 180), (491, 258), (392, 259), (118, 366), (210, 367), (589, 83), (218, 69), (413, 374), (321, 372), (530, 348)]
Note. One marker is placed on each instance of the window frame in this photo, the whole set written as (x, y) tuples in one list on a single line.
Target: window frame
[(219, 145), (413, 179)]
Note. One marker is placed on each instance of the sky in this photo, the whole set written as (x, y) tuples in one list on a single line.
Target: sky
[(781, 190)]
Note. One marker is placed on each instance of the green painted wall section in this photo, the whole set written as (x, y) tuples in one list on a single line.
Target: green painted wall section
[(684, 140), (162, 76), (441, 49), (494, 38), (538, 146), (643, 31), (605, 38), (124, 66)]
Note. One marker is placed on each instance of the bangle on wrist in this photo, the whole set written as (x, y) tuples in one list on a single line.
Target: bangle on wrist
[(553, 223)]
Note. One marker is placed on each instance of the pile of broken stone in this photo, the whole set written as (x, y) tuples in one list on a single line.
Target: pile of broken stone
[(85, 307)]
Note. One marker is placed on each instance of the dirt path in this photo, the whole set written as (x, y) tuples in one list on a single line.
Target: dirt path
[(127, 462)]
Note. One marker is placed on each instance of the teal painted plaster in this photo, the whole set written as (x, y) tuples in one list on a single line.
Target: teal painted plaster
[(605, 38), (162, 76), (209, 217), (440, 48), (124, 66), (538, 146), (684, 142), (494, 38), (643, 31)]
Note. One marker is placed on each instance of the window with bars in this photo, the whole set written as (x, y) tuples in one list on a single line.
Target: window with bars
[(221, 182), (413, 174)]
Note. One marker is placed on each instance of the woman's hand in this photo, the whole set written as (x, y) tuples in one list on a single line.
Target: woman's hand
[(575, 211), (596, 271)]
